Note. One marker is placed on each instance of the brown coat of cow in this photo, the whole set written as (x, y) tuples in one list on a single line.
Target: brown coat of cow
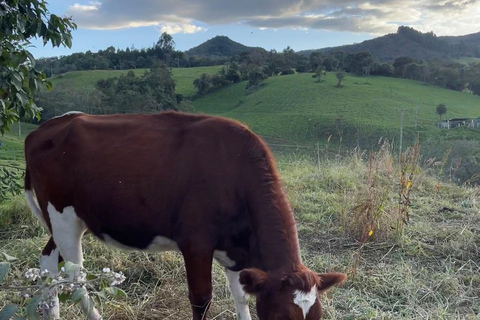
[(205, 186)]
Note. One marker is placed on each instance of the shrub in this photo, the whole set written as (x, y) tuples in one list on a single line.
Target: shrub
[(286, 72)]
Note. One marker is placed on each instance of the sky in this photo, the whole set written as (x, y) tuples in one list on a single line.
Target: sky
[(271, 24)]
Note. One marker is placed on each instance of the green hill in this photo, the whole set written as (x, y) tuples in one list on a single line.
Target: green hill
[(86, 79), (219, 46), (298, 108)]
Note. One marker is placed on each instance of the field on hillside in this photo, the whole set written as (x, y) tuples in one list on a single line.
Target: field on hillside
[(297, 108), (11, 150), (431, 272), (467, 60), (85, 80)]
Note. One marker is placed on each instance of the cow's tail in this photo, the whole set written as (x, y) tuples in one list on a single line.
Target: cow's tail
[(32, 202)]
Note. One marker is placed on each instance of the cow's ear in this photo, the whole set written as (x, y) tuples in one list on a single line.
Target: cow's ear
[(253, 280), (327, 280)]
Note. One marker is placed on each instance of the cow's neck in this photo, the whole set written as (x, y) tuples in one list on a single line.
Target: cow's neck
[(274, 228)]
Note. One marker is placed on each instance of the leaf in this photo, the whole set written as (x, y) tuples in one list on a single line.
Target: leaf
[(31, 308), (9, 258), (23, 99), (63, 297), (4, 268), (102, 294), (32, 85), (87, 306), (115, 292), (69, 267), (78, 294), (8, 311), (91, 277)]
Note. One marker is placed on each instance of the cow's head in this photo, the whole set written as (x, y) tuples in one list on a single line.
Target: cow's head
[(291, 296)]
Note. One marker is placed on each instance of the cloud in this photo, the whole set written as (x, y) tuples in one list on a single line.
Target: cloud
[(181, 28), (450, 17)]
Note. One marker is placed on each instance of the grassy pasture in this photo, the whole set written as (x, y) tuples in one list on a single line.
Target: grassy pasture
[(297, 108), (431, 272), (86, 79)]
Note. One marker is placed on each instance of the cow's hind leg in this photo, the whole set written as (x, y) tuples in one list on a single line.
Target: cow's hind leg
[(49, 260), (67, 232)]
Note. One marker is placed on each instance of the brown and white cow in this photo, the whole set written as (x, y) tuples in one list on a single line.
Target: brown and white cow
[(205, 186)]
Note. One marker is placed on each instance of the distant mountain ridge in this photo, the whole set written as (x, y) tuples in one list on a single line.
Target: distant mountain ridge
[(412, 43), (405, 42), (220, 46)]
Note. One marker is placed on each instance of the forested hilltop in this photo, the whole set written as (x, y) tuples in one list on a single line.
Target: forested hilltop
[(449, 62), (415, 44)]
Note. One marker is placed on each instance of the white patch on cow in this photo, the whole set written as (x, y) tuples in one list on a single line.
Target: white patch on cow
[(223, 259), (67, 232), (239, 296), (158, 244), (305, 300), (50, 262), (68, 113), (34, 207)]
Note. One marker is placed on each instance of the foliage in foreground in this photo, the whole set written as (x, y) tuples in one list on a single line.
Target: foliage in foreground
[(72, 282), (20, 21)]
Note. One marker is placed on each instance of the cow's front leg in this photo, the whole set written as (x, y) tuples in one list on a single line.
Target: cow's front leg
[(49, 261), (198, 265), (67, 232)]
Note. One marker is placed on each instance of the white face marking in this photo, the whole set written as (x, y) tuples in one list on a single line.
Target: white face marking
[(50, 262), (223, 259), (67, 232), (158, 244), (305, 300), (239, 296), (68, 113), (34, 207)]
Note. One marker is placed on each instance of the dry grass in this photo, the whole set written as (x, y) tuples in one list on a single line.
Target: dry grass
[(432, 271)]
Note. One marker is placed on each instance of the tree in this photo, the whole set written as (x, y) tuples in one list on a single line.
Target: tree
[(319, 72), (340, 76), (165, 47), (255, 76), (21, 20), (441, 110), (290, 56), (316, 60), (203, 83)]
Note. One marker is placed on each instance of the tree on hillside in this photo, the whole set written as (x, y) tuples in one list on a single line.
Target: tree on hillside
[(441, 110), (20, 21), (319, 72), (315, 60), (164, 47), (290, 56), (153, 91), (203, 83), (399, 65), (255, 76), (340, 76)]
